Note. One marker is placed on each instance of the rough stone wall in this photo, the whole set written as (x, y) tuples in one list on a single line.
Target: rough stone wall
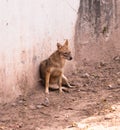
[(97, 30)]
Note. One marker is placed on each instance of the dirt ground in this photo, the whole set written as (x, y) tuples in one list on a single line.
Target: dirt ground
[(92, 104)]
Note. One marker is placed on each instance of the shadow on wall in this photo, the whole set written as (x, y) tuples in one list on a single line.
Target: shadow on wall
[(97, 30)]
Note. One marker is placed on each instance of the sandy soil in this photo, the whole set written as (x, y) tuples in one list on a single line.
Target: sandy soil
[(92, 104)]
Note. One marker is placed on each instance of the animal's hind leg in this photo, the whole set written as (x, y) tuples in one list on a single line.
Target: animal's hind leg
[(65, 81)]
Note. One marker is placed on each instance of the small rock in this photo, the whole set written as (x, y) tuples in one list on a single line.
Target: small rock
[(20, 125), (118, 81), (118, 73), (39, 106), (111, 86), (113, 108), (102, 64), (66, 116), (21, 101), (79, 125), (74, 124), (13, 104), (116, 58), (85, 75), (46, 102), (95, 75), (32, 107)]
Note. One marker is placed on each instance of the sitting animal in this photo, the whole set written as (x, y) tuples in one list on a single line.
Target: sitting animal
[(51, 69)]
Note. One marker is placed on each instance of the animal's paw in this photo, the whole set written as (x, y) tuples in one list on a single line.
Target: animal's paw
[(60, 90), (47, 91), (70, 86)]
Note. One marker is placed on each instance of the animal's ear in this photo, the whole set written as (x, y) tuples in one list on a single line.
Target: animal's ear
[(66, 42), (59, 45)]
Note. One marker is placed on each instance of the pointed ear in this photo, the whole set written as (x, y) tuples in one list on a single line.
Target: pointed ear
[(59, 45), (66, 42)]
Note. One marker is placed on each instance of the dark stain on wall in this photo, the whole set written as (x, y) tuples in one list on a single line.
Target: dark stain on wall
[(96, 19), (97, 14)]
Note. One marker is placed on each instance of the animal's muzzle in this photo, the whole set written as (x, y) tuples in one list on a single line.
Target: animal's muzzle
[(70, 58), (67, 56)]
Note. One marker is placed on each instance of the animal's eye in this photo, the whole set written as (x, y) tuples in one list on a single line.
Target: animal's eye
[(65, 53)]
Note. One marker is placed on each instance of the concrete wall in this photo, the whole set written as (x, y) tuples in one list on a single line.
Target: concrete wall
[(97, 31), (29, 31)]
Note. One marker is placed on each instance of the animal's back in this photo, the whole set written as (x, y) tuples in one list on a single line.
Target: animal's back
[(42, 69)]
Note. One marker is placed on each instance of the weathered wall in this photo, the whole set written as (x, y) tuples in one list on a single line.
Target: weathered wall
[(97, 30), (29, 31)]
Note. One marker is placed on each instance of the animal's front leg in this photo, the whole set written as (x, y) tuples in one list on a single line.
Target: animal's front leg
[(60, 83), (65, 81), (47, 79)]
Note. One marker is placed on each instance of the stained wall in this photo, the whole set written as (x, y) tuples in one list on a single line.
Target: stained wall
[(97, 31), (29, 31)]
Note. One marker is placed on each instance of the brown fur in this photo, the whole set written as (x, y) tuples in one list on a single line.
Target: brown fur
[(51, 69)]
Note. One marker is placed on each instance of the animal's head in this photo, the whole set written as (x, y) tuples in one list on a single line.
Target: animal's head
[(64, 50)]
